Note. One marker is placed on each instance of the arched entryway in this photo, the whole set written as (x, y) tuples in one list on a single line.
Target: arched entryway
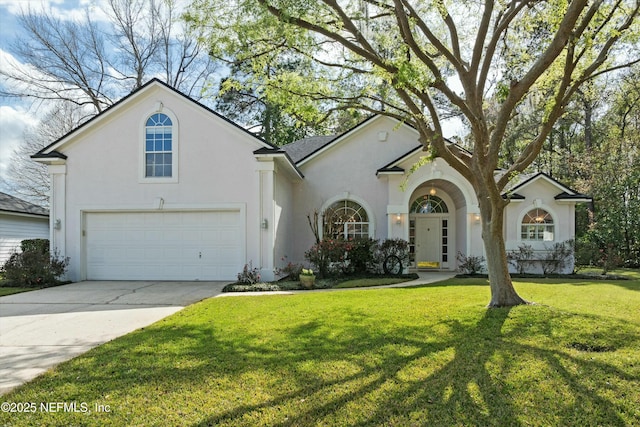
[(433, 210)]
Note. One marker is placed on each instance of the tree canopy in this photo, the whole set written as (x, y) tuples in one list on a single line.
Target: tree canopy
[(488, 63)]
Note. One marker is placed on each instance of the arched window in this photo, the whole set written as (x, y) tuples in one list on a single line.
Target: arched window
[(537, 224), (345, 219), (158, 152), (429, 204)]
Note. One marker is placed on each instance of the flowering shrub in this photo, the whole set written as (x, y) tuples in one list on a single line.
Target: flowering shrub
[(290, 270), (329, 256), (249, 275), (389, 247), (337, 256)]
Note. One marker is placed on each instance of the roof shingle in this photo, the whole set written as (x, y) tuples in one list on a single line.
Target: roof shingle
[(13, 204)]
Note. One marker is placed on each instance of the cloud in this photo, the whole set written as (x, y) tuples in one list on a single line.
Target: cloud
[(61, 9), (13, 122)]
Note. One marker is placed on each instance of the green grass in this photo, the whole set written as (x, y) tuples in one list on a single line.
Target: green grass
[(372, 281), (431, 355), (8, 290)]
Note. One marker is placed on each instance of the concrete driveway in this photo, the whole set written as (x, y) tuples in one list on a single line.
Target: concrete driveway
[(40, 329)]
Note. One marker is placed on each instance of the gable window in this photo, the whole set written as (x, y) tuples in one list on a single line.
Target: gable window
[(158, 152), (345, 219), (538, 225)]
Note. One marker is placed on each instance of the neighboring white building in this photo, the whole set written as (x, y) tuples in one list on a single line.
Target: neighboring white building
[(159, 187), (20, 220)]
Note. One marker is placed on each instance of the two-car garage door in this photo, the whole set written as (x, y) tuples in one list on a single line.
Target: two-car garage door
[(159, 245)]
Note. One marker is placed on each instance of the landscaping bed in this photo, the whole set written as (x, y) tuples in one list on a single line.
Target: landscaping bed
[(341, 282)]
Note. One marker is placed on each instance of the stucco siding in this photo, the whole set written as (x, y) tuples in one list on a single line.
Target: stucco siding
[(283, 220), (539, 194), (347, 170), (216, 169)]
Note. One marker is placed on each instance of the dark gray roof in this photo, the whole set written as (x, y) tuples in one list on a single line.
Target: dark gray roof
[(13, 204), (302, 148)]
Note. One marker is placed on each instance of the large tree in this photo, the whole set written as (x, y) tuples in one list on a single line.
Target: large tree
[(421, 61)]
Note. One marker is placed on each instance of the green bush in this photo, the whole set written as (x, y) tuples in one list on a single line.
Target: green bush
[(390, 247), (34, 266), (470, 264), (354, 256), (35, 245)]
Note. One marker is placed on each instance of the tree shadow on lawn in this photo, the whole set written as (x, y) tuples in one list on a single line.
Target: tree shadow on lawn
[(445, 373), (460, 378)]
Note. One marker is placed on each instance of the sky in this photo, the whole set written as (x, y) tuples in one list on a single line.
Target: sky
[(17, 115)]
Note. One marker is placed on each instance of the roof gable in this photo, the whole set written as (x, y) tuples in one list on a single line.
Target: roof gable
[(52, 151), (311, 148), (527, 180)]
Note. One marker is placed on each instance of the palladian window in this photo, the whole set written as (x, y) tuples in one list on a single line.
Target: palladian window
[(345, 219), (537, 224), (158, 146)]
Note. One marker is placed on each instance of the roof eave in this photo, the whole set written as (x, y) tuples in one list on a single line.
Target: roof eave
[(267, 154), (24, 214)]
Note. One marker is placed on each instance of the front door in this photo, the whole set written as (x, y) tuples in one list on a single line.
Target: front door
[(428, 248)]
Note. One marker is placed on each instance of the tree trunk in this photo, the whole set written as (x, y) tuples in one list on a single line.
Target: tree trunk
[(503, 294)]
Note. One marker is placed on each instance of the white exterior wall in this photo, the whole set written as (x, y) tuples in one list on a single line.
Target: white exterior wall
[(539, 194), (14, 228), (217, 169), (283, 220), (347, 170), (468, 231)]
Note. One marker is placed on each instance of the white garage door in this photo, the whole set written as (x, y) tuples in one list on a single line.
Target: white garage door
[(194, 245)]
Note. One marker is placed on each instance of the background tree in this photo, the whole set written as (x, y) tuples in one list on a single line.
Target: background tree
[(30, 180), (609, 169), (81, 67), (418, 61)]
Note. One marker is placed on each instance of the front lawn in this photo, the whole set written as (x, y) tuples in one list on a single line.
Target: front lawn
[(431, 355), (8, 290)]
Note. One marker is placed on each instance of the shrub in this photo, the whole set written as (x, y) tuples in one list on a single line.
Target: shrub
[(35, 245), (387, 248), (470, 264), (291, 270), (34, 266), (254, 287), (521, 258), (249, 275), (359, 255), (557, 257), (337, 256), (328, 256)]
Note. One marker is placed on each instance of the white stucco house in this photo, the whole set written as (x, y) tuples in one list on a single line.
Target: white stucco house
[(20, 220), (159, 187)]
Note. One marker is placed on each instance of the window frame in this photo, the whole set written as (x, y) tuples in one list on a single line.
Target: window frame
[(350, 229), (537, 225), (174, 152)]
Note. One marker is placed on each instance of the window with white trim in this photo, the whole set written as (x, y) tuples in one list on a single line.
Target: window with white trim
[(158, 152), (345, 219), (537, 225)]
